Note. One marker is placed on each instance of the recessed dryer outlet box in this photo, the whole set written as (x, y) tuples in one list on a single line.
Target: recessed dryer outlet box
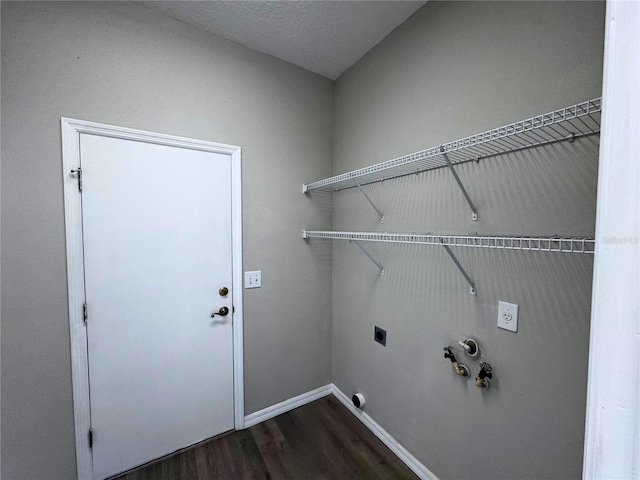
[(380, 336), (508, 316)]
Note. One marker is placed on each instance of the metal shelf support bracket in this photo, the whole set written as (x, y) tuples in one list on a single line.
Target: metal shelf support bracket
[(474, 212), (369, 200), (377, 264), (369, 255), (472, 286)]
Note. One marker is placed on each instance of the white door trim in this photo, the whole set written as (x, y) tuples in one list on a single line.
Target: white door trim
[(71, 130), (612, 431)]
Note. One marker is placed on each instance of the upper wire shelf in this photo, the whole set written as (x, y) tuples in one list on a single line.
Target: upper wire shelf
[(568, 123), (539, 244)]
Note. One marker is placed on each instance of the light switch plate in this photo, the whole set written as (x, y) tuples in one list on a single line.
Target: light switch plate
[(508, 316), (253, 279)]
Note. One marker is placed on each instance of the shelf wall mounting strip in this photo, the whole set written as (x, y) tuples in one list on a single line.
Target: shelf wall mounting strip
[(537, 244), (568, 123)]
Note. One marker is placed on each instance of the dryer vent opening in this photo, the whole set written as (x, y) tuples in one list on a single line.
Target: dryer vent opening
[(358, 400)]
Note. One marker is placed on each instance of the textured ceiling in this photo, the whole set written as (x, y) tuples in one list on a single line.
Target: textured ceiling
[(326, 37)]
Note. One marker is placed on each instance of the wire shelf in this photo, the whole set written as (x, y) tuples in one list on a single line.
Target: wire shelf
[(538, 244), (568, 123)]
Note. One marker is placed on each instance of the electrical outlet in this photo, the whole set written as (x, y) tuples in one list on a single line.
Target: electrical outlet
[(253, 279), (508, 316)]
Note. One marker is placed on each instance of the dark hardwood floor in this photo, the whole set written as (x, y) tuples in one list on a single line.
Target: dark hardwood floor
[(319, 441)]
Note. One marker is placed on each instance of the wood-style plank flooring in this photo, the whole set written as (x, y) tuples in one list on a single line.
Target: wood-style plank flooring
[(318, 441)]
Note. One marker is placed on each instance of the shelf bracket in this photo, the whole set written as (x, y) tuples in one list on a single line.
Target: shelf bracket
[(474, 212), (369, 255), (369, 200), (472, 286)]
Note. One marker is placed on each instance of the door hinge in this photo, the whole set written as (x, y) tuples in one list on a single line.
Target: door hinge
[(91, 438), (78, 172), (85, 311)]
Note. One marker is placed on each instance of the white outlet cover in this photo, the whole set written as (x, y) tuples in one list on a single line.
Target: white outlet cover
[(253, 279), (508, 316)]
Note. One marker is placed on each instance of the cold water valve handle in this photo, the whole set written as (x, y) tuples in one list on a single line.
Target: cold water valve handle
[(482, 380), (459, 368)]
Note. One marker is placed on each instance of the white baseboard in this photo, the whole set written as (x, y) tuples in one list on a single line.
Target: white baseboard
[(412, 462), (287, 405), (402, 453)]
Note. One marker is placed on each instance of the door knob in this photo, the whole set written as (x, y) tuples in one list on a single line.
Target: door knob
[(223, 291), (222, 312)]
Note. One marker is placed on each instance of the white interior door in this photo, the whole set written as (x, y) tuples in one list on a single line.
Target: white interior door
[(157, 250)]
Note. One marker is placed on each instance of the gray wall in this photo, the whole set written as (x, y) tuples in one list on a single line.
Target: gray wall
[(451, 70), (121, 64)]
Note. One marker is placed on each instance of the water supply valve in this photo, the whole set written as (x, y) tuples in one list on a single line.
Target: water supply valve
[(482, 380), (459, 368)]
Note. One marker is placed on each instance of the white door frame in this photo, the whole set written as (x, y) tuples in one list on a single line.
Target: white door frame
[(71, 130), (612, 429)]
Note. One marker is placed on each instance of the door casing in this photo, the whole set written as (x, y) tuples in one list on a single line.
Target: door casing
[(71, 130)]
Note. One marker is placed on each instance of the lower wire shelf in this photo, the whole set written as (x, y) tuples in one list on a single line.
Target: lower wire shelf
[(538, 244)]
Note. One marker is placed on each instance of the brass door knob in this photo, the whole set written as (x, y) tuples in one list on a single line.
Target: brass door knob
[(223, 291), (222, 312)]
